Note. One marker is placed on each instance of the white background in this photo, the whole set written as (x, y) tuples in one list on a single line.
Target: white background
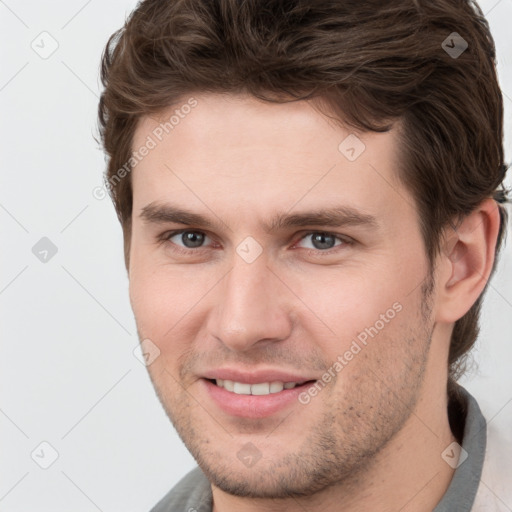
[(68, 373)]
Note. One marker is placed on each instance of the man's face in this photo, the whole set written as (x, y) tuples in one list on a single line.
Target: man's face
[(339, 303)]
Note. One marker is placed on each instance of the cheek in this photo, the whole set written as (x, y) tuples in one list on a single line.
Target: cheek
[(157, 299), (168, 305), (348, 301)]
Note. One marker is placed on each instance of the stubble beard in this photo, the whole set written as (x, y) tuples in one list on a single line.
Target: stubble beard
[(355, 424)]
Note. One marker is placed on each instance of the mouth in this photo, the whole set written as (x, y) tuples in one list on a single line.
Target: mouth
[(254, 400), (257, 389)]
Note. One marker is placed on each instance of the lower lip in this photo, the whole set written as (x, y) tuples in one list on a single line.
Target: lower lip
[(253, 406)]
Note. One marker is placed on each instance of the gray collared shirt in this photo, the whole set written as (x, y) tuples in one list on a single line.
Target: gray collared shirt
[(193, 492)]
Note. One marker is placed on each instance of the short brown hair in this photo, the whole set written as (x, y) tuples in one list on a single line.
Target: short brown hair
[(371, 62)]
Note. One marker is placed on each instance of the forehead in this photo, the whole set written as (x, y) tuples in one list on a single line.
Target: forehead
[(242, 154)]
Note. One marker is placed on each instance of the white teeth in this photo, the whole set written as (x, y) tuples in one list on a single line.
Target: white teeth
[(262, 388), (275, 387), (241, 389)]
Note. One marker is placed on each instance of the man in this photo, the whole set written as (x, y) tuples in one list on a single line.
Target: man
[(311, 213)]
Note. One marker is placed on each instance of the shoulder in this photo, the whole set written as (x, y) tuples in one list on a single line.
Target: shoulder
[(488, 434), (495, 492), (191, 494)]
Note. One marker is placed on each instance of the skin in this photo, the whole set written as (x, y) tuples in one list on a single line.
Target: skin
[(372, 438)]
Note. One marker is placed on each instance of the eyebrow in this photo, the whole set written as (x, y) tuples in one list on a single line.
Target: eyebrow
[(158, 213)]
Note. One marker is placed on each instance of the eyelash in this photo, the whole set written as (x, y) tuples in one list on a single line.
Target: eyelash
[(166, 236)]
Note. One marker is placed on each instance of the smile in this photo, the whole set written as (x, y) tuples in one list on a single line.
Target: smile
[(255, 400), (261, 388)]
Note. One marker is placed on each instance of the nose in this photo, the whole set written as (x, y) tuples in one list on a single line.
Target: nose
[(252, 307)]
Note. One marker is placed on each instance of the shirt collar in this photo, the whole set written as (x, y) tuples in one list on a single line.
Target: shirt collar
[(463, 487)]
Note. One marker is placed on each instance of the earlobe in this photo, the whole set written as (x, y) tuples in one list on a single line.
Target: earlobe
[(467, 260)]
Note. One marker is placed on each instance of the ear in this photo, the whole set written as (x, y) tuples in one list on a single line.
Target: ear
[(466, 261)]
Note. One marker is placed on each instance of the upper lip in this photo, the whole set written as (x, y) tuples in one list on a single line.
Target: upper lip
[(256, 376)]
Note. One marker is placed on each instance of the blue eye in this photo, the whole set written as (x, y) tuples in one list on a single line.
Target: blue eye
[(189, 241), (322, 241), (189, 238)]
